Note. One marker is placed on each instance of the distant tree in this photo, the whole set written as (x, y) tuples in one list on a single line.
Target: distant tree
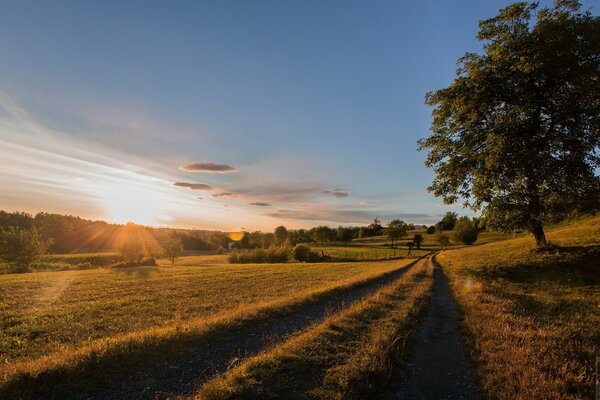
[(410, 247), (444, 241), (431, 230), (395, 230), (516, 135), (267, 240), (344, 235), (132, 249), (417, 240), (375, 229), (323, 234), (172, 249), (448, 221), (363, 232), (466, 231), (20, 247), (281, 235)]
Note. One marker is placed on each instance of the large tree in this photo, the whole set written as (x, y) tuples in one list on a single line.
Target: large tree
[(517, 133)]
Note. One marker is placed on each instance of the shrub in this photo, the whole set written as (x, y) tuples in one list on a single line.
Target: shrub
[(260, 256), (302, 253), (431, 230)]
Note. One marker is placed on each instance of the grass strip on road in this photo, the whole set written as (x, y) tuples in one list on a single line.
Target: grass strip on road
[(365, 334)]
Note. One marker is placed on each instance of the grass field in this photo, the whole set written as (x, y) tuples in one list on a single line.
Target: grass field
[(347, 356), (47, 312), (532, 318)]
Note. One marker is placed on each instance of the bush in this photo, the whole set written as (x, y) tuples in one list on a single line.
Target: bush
[(302, 253), (431, 230), (260, 256), (466, 231)]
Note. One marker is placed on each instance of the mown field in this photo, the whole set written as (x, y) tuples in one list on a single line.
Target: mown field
[(532, 317), (348, 356), (46, 312)]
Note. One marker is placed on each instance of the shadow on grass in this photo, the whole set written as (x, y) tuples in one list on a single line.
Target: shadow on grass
[(567, 265)]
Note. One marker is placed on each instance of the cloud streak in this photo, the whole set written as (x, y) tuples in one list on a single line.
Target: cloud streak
[(339, 193), (193, 186), (209, 168), (260, 204), (229, 195)]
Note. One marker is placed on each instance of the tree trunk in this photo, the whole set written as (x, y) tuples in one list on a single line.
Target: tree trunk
[(536, 228)]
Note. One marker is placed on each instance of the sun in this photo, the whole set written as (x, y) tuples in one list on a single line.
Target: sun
[(132, 204)]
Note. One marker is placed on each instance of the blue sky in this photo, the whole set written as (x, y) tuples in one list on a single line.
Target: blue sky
[(317, 106)]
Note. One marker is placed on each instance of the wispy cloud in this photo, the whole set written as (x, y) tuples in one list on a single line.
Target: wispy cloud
[(339, 193), (208, 167), (193, 186), (260, 204)]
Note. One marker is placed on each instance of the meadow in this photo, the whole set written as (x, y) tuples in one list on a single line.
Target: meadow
[(531, 317)]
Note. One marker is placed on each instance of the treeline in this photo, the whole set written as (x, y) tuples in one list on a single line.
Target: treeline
[(69, 234)]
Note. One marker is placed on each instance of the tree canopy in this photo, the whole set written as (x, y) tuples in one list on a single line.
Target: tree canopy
[(517, 133)]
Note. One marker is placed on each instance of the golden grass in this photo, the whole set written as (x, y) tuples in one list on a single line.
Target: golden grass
[(250, 288), (50, 312), (352, 350), (532, 318)]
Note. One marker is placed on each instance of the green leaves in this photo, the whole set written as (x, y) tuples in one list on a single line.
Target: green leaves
[(517, 133)]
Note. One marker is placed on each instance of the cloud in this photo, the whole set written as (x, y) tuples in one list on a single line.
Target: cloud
[(345, 215), (208, 167), (260, 204), (336, 192), (193, 186), (366, 203), (229, 195)]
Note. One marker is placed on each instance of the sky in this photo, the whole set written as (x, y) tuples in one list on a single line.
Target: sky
[(226, 115)]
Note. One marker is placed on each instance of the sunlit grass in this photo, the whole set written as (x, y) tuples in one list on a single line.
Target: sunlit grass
[(351, 351), (118, 354), (48, 311), (533, 318)]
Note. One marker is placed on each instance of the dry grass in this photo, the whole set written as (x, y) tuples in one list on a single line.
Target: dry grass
[(132, 298), (532, 318), (47, 312), (353, 351), (364, 252)]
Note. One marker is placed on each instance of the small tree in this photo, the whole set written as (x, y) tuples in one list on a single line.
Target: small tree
[(395, 230), (417, 240), (20, 247), (431, 230), (466, 231), (410, 246), (444, 241), (281, 235), (172, 249), (132, 250)]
